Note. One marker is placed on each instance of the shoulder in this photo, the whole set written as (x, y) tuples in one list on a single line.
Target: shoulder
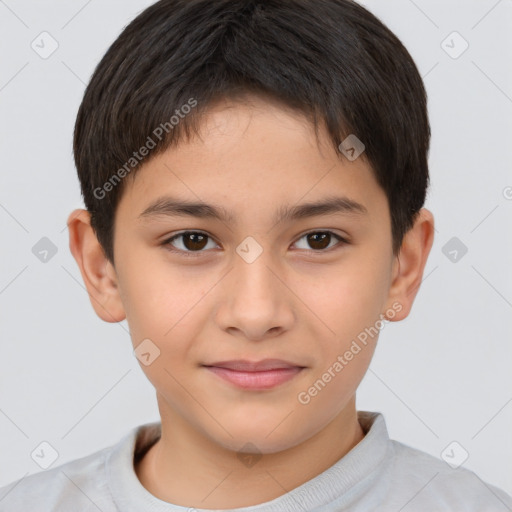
[(80, 484), (432, 482)]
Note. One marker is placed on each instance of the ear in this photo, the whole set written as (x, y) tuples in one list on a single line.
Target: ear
[(409, 265), (97, 271)]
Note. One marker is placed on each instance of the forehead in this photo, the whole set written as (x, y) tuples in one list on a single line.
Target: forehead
[(254, 156)]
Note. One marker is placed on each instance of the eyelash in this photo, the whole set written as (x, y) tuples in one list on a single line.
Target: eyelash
[(194, 254)]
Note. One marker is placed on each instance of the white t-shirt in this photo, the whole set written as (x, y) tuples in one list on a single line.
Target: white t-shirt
[(378, 474)]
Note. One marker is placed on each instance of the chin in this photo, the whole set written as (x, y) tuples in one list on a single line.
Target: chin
[(259, 437)]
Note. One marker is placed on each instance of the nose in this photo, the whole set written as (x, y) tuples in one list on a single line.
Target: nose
[(256, 302)]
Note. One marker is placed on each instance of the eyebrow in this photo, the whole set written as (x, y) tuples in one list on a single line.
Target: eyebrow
[(172, 207)]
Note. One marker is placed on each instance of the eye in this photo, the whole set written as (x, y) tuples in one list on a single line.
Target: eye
[(320, 240), (189, 242)]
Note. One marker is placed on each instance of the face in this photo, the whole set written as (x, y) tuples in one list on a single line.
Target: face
[(257, 274)]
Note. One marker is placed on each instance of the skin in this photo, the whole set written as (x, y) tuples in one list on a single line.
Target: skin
[(291, 303)]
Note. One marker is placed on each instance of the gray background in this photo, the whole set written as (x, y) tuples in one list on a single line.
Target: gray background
[(442, 375)]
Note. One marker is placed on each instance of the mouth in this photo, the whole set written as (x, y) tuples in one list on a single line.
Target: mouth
[(265, 374)]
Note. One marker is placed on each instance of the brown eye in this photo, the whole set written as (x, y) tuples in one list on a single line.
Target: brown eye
[(194, 241), (189, 241), (320, 240)]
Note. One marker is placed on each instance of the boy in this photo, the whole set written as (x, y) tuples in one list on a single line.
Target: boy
[(254, 175)]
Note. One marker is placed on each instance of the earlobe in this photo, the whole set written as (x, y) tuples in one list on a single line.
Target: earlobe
[(409, 265), (97, 271)]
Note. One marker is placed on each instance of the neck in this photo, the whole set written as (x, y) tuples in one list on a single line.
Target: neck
[(189, 469)]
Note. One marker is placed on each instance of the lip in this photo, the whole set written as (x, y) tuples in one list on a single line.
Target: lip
[(244, 365), (265, 374)]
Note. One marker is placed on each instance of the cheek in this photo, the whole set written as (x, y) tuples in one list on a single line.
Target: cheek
[(159, 300), (349, 306), (347, 298), (162, 305), (349, 302)]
